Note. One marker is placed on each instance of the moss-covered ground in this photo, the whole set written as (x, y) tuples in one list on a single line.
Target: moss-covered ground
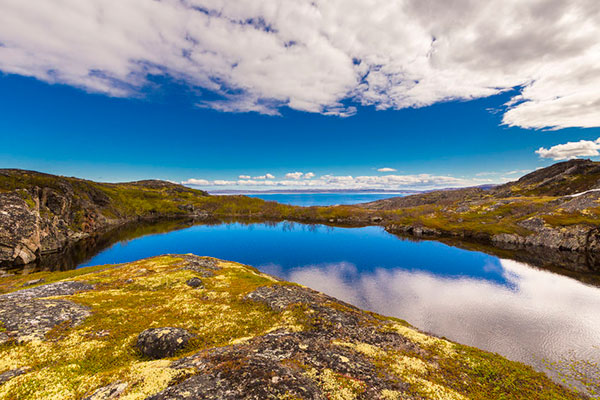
[(72, 362)]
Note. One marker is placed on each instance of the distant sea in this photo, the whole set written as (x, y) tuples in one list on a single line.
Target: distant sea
[(323, 199)]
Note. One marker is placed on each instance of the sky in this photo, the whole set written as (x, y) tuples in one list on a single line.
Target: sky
[(268, 94)]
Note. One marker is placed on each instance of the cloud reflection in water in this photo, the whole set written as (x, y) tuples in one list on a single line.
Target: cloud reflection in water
[(536, 316)]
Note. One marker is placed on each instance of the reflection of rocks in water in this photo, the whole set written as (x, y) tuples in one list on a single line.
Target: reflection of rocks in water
[(583, 266), (85, 249)]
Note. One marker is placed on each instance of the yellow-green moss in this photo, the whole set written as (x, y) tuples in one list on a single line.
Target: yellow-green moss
[(101, 350)]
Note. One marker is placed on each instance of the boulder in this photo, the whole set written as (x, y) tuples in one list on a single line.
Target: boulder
[(158, 343), (195, 283)]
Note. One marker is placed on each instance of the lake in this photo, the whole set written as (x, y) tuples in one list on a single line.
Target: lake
[(524, 313), (323, 199)]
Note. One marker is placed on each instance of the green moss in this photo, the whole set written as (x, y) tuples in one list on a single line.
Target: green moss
[(129, 298), (101, 349), (592, 218)]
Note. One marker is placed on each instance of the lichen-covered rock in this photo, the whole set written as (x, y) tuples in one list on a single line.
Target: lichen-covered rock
[(205, 266), (63, 288), (254, 338), (164, 342), (27, 319), (195, 283), (32, 318), (25, 315)]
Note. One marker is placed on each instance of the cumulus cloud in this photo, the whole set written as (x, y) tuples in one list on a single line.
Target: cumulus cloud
[(386, 169), (320, 55), (196, 182), (294, 175), (300, 180), (245, 177), (261, 177), (299, 175), (571, 150)]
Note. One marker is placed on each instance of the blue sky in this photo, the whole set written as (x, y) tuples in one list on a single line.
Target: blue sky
[(63, 130), (312, 93)]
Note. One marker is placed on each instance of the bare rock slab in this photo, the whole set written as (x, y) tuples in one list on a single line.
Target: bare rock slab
[(26, 315)]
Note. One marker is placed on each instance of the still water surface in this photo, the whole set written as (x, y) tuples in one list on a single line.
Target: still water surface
[(504, 306), (323, 199)]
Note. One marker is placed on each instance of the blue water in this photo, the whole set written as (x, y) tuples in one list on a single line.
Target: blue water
[(324, 199), (292, 245), (504, 306)]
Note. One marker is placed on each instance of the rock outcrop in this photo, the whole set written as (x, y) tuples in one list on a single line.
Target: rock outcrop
[(27, 314), (255, 337), (164, 342), (41, 213)]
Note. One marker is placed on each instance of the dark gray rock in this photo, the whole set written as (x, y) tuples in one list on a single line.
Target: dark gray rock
[(195, 283), (164, 342), (13, 373), (260, 368)]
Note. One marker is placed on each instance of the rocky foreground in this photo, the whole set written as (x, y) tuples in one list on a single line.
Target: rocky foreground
[(188, 327)]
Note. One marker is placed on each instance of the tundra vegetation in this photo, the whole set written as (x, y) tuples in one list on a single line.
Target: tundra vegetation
[(252, 336), (540, 199)]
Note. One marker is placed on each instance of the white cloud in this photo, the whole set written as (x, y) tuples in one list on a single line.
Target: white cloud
[(261, 177), (570, 150), (312, 55), (386, 169), (196, 182), (387, 182), (294, 175), (299, 175), (244, 177)]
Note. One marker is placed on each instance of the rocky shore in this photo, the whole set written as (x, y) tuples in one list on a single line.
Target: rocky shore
[(188, 327), (42, 214)]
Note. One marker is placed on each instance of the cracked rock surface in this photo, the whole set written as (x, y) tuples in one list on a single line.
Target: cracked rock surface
[(26, 315)]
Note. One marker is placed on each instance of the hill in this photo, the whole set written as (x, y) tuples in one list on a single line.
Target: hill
[(42, 213), (555, 208)]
